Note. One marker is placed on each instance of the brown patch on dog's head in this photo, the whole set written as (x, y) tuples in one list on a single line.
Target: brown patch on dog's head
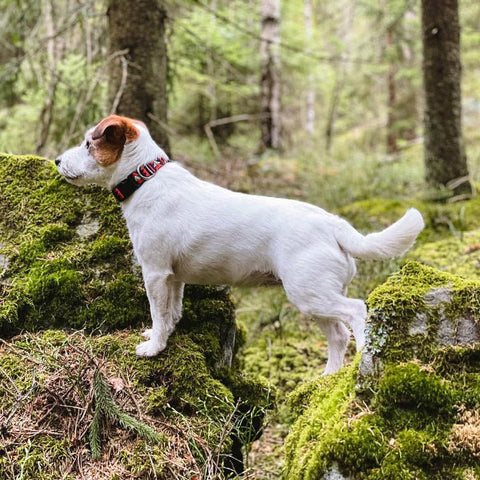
[(110, 136)]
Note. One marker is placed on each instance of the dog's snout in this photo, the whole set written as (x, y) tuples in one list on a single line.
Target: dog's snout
[(58, 161)]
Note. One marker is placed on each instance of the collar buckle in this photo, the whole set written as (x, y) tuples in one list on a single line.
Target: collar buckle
[(137, 178), (148, 168)]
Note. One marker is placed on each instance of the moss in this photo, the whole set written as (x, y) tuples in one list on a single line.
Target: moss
[(140, 461), (58, 277), (407, 422), (441, 219), (108, 248), (403, 433), (178, 389), (34, 460), (455, 254), (57, 274), (408, 387), (396, 304), (323, 403)]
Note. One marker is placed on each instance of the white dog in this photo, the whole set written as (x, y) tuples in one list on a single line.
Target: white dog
[(185, 230)]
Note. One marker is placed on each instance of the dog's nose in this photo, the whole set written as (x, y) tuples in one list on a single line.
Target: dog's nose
[(58, 160)]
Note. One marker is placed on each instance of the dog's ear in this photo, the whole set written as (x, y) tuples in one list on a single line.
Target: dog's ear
[(116, 130), (110, 136)]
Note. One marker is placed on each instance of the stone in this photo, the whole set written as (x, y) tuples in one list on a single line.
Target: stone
[(397, 410)]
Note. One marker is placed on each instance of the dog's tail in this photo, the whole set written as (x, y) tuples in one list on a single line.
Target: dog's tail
[(391, 242)]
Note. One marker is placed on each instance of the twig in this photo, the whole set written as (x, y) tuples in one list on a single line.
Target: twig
[(226, 120)]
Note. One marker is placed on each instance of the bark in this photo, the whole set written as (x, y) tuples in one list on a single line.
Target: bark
[(270, 80), (55, 47), (138, 79), (444, 156), (342, 70)]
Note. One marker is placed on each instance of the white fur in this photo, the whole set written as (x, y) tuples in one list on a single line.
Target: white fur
[(185, 230)]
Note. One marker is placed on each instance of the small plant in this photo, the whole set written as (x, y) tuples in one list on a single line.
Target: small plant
[(106, 408)]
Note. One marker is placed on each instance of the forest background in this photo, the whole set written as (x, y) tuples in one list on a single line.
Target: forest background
[(350, 108)]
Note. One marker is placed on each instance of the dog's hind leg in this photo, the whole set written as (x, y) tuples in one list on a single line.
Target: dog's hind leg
[(160, 291), (338, 337), (332, 307)]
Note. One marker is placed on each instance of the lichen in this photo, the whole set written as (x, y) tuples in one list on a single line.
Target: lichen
[(396, 304)]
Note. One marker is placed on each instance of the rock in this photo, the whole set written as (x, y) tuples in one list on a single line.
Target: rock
[(334, 474), (68, 254), (399, 411), (88, 227)]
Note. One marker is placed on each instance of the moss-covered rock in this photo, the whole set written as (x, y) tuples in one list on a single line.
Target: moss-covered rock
[(413, 411), (68, 265)]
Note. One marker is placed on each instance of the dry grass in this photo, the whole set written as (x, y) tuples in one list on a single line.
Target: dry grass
[(48, 405)]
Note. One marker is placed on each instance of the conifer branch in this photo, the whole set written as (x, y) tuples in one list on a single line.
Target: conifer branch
[(105, 407)]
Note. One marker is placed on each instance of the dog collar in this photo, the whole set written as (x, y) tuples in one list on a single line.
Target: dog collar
[(136, 179)]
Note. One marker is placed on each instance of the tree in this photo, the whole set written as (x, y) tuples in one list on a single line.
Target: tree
[(400, 22), (270, 81), (138, 75), (444, 156), (310, 94)]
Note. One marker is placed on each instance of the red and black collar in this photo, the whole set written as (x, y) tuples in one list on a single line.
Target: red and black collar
[(137, 178)]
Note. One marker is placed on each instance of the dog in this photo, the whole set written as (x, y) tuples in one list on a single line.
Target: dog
[(186, 230)]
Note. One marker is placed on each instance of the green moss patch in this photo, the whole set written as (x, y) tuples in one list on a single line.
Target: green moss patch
[(56, 277), (458, 254), (408, 309), (441, 219)]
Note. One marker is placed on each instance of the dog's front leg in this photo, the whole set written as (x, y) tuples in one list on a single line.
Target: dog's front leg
[(160, 291)]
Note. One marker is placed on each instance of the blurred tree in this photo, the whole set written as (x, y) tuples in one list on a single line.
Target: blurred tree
[(138, 75), (270, 80), (401, 24), (444, 155), (341, 70), (310, 95)]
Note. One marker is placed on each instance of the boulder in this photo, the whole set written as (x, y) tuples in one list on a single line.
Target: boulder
[(409, 406), (74, 397)]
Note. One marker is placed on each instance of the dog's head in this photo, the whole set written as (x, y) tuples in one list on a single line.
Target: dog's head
[(109, 151)]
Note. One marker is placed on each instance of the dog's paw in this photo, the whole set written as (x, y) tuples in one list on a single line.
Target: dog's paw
[(147, 333), (149, 348)]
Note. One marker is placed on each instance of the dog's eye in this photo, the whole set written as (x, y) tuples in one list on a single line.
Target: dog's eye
[(87, 144)]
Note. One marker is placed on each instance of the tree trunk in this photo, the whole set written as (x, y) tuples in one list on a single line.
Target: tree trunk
[(138, 79), (342, 70), (392, 146), (310, 97), (445, 160), (270, 81)]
